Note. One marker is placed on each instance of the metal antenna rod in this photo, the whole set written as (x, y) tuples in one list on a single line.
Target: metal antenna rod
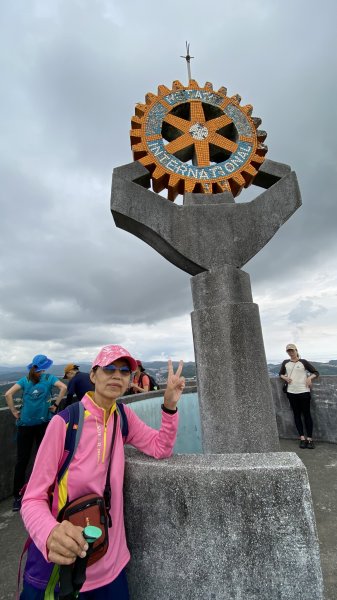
[(188, 61)]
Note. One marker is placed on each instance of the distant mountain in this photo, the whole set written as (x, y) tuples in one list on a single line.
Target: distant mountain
[(157, 368), (18, 369), (11, 376), (14, 373), (329, 368)]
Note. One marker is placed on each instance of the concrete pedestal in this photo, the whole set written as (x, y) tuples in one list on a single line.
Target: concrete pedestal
[(221, 527)]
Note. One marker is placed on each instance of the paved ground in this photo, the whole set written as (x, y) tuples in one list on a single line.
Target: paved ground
[(321, 464)]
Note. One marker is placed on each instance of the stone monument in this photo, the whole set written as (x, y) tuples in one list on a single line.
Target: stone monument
[(236, 522)]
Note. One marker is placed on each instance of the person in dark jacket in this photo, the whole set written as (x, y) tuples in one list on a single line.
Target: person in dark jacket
[(299, 374), (79, 384)]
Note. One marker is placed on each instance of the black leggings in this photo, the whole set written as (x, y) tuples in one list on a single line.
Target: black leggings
[(300, 403), (26, 436)]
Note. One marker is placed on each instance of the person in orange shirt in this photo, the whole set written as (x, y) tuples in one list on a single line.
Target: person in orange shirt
[(140, 382)]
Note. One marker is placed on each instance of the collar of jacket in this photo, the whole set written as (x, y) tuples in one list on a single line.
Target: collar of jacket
[(90, 405)]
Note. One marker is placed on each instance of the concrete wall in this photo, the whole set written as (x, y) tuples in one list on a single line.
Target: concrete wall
[(324, 411), (323, 408), (8, 452)]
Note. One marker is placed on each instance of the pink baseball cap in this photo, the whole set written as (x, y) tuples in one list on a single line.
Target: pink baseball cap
[(108, 355)]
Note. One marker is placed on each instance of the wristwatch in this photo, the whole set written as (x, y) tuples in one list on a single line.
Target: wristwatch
[(168, 410)]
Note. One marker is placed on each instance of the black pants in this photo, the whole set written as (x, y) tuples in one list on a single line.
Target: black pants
[(300, 403), (26, 436)]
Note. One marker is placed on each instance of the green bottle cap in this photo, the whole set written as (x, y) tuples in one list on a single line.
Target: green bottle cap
[(92, 533)]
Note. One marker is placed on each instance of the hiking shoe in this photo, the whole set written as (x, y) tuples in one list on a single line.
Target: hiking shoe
[(310, 444), (17, 504), (303, 444)]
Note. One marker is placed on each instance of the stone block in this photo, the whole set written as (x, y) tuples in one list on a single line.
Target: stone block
[(221, 527), (225, 285)]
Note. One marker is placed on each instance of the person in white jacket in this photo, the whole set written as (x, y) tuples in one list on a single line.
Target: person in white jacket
[(298, 373)]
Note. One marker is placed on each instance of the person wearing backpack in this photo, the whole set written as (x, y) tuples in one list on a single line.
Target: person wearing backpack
[(96, 469), (34, 416), (140, 382)]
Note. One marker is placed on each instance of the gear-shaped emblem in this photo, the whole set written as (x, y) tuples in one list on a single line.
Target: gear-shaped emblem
[(193, 139)]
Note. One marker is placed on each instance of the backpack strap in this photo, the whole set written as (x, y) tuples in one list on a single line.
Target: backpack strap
[(52, 583), (141, 377), (123, 419), (73, 415)]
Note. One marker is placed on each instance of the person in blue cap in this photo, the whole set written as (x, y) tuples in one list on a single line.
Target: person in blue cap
[(34, 416)]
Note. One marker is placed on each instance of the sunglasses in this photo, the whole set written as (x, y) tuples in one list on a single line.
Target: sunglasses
[(125, 370)]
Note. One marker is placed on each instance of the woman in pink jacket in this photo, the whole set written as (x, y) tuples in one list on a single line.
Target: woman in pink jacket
[(61, 543)]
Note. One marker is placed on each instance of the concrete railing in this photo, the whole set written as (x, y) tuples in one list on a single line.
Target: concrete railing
[(324, 412), (8, 452), (323, 409)]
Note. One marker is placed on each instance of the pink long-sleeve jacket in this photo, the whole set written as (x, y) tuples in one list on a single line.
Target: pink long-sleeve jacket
[(87, 474)]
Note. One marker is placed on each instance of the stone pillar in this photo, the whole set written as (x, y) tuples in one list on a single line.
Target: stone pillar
[(236, 407)]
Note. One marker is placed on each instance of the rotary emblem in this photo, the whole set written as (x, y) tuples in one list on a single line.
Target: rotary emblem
[(195, 139)]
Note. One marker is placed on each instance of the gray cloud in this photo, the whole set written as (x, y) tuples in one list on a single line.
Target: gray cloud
[(305, 311), (72, 74)]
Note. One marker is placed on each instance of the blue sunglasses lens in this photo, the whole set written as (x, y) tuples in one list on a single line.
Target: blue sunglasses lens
[(112, 369)]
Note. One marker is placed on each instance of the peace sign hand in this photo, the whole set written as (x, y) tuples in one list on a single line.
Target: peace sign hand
[(174, 387)]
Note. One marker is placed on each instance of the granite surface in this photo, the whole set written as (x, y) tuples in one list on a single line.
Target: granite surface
[(221, 527)]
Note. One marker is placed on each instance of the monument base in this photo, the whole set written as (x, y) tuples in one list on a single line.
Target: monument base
[(221, 527)]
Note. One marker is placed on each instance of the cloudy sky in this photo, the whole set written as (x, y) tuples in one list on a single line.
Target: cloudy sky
[(71, 74)]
